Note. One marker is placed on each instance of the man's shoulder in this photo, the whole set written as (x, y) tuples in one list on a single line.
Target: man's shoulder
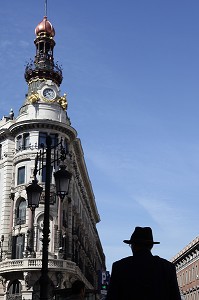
[(163, 261), (128, 259), (123, 261), (155, 259)]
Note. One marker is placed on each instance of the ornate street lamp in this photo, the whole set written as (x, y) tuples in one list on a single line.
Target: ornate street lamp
[(33, 194), (62, 179)]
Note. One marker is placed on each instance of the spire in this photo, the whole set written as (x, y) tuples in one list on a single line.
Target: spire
[(43, 65), (45, 7)]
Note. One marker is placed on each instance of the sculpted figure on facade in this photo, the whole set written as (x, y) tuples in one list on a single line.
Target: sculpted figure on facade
[(27, 276), (63, 102), (34, 97), (3, 282)]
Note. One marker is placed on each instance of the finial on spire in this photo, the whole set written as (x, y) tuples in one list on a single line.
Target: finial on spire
[(45, 8)]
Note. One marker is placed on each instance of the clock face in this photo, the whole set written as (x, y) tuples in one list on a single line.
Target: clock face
[(49, 93)]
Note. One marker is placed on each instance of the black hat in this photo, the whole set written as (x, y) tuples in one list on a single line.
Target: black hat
[(141, 235)]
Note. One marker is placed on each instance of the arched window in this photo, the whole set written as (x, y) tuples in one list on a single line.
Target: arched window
[(21, 212), (14, 291)]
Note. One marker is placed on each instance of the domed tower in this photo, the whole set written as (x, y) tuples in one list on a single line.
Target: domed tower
[(44, 78), (75, 250), (43, 66)]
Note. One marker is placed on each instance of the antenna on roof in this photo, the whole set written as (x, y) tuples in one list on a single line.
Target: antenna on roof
[(45, 8)]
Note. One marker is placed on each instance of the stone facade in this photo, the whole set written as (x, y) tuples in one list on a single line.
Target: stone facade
[(187, 268), (75, 250)]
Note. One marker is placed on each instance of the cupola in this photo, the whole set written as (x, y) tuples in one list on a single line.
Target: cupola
[(43, 66), (45, 27)]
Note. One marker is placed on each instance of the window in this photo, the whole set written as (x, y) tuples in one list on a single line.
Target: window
[(43, 136), (0, 151), (42, 139), (39, 234), (21, 175), (21, 212), (19, 142), (23, 141), (26, 140), (54, 138), (66, 145), (18, 246), (15, 289)]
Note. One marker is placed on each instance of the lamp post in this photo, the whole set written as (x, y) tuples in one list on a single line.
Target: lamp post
[(33, 195), (62, 180)]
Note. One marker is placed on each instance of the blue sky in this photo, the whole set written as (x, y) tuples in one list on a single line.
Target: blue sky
[(131, 72)]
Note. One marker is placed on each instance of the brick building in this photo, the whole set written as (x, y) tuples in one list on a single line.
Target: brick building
[(187, 268)]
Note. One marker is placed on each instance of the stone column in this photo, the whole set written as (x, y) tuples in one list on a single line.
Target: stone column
[(9, 252), (12, 196), (59, 221), (30, 233), (70, 228)]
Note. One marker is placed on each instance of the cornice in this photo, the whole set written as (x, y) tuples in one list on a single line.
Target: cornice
[(43, 124), (85, 177), (192, 246)]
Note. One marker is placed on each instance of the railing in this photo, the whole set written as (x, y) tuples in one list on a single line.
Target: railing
[(43, 66), (35, 264)]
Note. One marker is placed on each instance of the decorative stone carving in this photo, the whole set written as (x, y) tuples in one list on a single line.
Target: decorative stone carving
[(3, 282), (63, 102), (34, 97), (59, 277), (27, 276)]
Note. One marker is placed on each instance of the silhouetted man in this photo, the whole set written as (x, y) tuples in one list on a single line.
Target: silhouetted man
[(143, 276)]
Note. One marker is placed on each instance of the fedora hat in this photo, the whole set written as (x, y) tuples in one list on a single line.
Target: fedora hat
[(141, 235)]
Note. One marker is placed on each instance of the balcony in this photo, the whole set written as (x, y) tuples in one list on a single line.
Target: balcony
[(43, 68), (35, 264), (16, 265)]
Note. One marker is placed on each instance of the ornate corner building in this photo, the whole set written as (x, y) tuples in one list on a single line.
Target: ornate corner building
[(187, 269), (75, 250)]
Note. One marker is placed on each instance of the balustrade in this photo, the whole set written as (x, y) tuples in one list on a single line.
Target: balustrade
[(35, 263)]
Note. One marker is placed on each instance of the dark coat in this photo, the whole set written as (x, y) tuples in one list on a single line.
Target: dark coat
[(143, 277), (74, 297)]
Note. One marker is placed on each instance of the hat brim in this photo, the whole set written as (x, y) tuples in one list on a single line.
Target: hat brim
[(141, 241)]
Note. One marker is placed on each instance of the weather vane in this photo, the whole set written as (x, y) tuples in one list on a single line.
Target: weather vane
[(45, 7)]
